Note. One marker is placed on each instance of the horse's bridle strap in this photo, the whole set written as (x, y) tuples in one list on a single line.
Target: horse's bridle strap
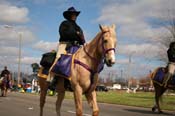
[(106, 51), (89, 55), (84, 65)]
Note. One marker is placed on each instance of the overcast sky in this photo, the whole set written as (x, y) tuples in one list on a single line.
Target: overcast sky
[(38, 21)]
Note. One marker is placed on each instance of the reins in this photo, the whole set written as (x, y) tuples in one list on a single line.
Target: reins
[(96, 60), (105, 51)]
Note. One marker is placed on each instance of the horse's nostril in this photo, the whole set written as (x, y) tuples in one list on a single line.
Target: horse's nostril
[(110, 61)]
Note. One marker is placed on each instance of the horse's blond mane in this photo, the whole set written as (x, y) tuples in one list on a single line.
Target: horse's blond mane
[(95, 38)]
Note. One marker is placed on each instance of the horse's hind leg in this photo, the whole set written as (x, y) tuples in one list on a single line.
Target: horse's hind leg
[(2, 92), (61, 94), (91, 98), (44, 86), (5, 91), (159, 90)]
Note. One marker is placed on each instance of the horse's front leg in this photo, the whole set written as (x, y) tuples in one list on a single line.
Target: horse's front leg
[(92, 100), (61, 94), (42, 100), (2, 92), (78, 100), (44, 86), (93, 83)]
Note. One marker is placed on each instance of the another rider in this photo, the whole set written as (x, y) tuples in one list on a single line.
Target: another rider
[(70, 34), (5, 72), (171, 63)]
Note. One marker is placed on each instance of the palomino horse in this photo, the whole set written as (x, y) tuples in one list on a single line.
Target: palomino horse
[(157, 77), (84, 74), (5, 85)]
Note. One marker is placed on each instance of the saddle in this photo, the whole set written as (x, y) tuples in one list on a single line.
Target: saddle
[(63, 65), (48, 59)]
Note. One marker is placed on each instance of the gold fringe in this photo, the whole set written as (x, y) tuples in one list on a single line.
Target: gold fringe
[(157, 83), (40, 74)]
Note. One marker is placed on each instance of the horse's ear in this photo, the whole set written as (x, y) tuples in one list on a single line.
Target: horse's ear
[(101, 27), (113, 26)]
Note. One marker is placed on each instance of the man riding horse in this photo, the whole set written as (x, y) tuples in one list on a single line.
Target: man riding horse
[(163, 77), (5, 84), (171, 63), (70, 35), (5, 71)]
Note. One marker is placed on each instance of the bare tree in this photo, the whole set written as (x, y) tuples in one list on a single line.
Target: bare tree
[(167, 21), (169, 24)]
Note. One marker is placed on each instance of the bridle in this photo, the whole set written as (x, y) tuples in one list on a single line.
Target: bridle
[(104, 50)]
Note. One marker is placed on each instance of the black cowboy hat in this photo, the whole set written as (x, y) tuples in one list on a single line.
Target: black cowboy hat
[(69, 11)]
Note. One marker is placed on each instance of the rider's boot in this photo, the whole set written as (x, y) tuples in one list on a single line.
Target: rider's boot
[(166, 79)]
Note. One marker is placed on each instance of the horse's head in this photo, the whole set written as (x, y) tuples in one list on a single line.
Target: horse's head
[(108, 44)]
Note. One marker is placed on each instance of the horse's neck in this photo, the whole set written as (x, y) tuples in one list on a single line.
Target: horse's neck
[(89, 54), (94, 47)]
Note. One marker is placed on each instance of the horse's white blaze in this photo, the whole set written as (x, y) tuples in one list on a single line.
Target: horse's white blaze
[(113, 56)]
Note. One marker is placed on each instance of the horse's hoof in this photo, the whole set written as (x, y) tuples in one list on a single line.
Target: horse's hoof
[(160, 112), (96, 113), (153, 109)]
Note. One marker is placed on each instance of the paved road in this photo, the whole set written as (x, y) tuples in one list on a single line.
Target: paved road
[(19, 104)]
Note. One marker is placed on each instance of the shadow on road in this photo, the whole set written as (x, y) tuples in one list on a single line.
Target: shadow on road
[(148, 112)]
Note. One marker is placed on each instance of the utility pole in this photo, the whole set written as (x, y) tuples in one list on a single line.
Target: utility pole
[(19, 52), (129, 69), (19, 58), (121, 71)]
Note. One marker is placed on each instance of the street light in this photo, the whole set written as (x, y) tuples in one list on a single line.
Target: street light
[(129, 68), (19, 58), (19, 52)]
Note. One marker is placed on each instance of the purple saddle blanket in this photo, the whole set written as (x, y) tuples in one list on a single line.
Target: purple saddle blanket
[(160, 74), (63, 65)]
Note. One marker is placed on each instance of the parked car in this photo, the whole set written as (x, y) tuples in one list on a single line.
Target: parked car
[(101, 88)]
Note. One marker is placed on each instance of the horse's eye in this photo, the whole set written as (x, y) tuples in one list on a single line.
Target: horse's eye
[(105, 41)]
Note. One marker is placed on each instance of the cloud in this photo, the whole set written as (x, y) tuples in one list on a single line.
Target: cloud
[(13, 14), (121, 61), (12, 63), (30, 60), (10, 36), (8, 51), (45, 46), (144, 50), (134, 16), (135, 20), (134, 10)]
